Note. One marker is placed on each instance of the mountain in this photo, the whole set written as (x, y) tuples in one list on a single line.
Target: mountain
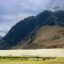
[(45, 30), (0, 37)]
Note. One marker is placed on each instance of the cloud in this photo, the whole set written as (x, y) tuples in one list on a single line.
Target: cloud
[(12, 11), (22, 6)]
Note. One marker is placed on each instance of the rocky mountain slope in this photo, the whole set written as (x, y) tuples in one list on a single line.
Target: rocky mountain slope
[(46, 30)]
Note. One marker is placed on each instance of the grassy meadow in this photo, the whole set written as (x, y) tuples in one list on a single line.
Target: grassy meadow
[(31, 60)]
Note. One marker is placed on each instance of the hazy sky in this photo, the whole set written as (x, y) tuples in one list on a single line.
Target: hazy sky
[(12, 11)]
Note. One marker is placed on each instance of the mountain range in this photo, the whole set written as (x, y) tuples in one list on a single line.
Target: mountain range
[(45, 30)]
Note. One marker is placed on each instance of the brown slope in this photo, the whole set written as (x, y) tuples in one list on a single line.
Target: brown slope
[(45, 37), (44, 30)]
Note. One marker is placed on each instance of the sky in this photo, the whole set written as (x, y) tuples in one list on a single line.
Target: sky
[(12, 11)]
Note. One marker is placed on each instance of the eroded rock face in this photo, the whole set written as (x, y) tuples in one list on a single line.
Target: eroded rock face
[(36, 32)]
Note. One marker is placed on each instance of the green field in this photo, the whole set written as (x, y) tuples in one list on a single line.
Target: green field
[(25, 60)]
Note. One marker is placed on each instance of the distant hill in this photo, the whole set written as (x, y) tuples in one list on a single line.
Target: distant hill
[(45, 30), (1, 37)]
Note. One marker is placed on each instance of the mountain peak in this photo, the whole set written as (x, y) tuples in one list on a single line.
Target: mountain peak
[(45, 30)]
